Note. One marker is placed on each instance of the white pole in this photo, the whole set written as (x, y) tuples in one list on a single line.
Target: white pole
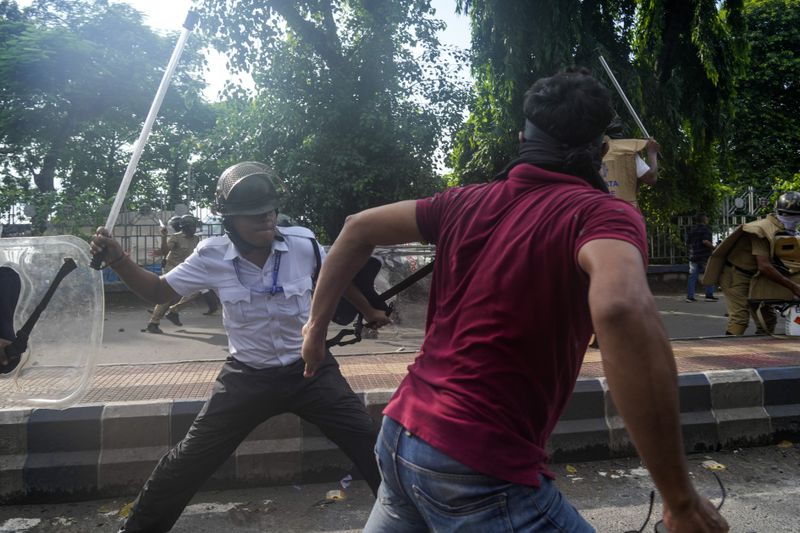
[(624, 98), (188, 25)]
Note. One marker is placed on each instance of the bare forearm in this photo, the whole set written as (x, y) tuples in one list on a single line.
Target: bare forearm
[(640, 368), (345, 258), (357, 298), (389, 224), (144, 283)]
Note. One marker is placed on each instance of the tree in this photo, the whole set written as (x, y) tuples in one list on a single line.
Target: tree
[(690, 56), (676, 60), (353, 99), (514, 44), (763, 141), (76, 80)]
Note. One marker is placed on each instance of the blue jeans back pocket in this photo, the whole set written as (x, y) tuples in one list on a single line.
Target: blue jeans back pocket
[(484, 513)]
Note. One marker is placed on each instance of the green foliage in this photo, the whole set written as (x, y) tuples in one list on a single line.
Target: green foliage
[(676, 60), (352, 100), (514, 44), (76, 81), (689, 56), (762, 145)]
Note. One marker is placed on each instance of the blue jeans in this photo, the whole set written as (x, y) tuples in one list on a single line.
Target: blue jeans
[(423, 489), (695, 269)]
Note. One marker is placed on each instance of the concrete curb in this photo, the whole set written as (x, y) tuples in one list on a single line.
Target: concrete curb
[(106, 450)]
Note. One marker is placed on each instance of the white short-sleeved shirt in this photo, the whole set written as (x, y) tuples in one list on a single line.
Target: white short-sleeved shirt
[(264, 330)]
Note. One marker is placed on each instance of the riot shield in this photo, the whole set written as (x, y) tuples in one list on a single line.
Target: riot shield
[(57, 366)]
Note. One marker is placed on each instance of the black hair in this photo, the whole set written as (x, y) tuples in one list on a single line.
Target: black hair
[(565, 118), (570, 106)]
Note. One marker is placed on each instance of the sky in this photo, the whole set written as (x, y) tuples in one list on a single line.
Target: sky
[(168, 15)]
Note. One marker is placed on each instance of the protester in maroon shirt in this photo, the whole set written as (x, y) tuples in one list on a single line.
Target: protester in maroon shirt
[(526, 267)]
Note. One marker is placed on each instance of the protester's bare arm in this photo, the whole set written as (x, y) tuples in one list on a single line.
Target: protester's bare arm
[(766, 267), (143, 282), (388, 224), (642, 377), (651, 176)]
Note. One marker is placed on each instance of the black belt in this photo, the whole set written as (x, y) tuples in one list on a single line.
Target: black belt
[(743, 271)]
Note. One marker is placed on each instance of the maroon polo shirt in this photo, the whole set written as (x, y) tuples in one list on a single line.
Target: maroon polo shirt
[(508, 316)]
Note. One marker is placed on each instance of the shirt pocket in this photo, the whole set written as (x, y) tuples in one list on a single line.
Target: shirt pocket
[(235, 301), (297, 296)]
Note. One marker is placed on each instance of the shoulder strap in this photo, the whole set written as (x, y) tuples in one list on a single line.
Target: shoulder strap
[(318, 256)]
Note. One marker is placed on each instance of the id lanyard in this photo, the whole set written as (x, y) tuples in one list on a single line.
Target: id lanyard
[(275, 287)]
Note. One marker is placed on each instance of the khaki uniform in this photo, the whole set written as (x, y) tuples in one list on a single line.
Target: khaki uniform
[(734, 267), (180, 247), (620, 168)]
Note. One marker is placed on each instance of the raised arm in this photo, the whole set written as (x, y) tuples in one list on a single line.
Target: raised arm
[(642, 377), (651, 176), (388, 224)]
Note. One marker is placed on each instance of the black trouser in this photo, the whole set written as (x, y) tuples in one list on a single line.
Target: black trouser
[(242, 398)]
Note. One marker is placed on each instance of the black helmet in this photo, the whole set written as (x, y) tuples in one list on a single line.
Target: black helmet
[(248, 188), (189, 221), (175, 223), (788, 203)]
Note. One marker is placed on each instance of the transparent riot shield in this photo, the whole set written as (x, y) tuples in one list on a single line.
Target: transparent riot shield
[(59, 362)]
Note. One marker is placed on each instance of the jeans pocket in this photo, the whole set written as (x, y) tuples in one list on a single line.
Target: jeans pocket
[(480, 514)]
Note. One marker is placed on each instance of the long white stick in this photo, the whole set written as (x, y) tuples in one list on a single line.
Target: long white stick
[(188, 25), (624, 98)]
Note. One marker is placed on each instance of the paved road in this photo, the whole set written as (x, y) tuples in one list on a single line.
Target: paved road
[(202, 337), (763, 495)]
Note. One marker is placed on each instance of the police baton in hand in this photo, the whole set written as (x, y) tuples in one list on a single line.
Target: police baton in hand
[(188, 26)]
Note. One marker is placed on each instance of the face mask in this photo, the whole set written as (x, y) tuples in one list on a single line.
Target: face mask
[(789, 221)]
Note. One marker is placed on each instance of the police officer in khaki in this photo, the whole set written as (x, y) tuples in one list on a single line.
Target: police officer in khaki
[(759, 262), (177, 248)]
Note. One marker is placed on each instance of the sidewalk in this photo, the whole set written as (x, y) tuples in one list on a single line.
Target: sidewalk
[(193, 380), (147, 389)]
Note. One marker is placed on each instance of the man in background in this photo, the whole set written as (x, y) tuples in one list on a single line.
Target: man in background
[(749, 254), (176, 248), (700, 248)]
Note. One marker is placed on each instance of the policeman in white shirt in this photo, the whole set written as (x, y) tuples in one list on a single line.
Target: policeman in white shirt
[(264, 276)]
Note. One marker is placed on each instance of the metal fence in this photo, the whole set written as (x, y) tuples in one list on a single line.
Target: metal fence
[(666, 244)]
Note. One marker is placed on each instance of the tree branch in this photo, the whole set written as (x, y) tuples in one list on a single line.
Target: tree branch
[(326, 44)]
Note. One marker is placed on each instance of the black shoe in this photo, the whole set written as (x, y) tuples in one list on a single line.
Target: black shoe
[(691, 300), (173, 317), (153, 328), (712, 299), (211, 310)]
